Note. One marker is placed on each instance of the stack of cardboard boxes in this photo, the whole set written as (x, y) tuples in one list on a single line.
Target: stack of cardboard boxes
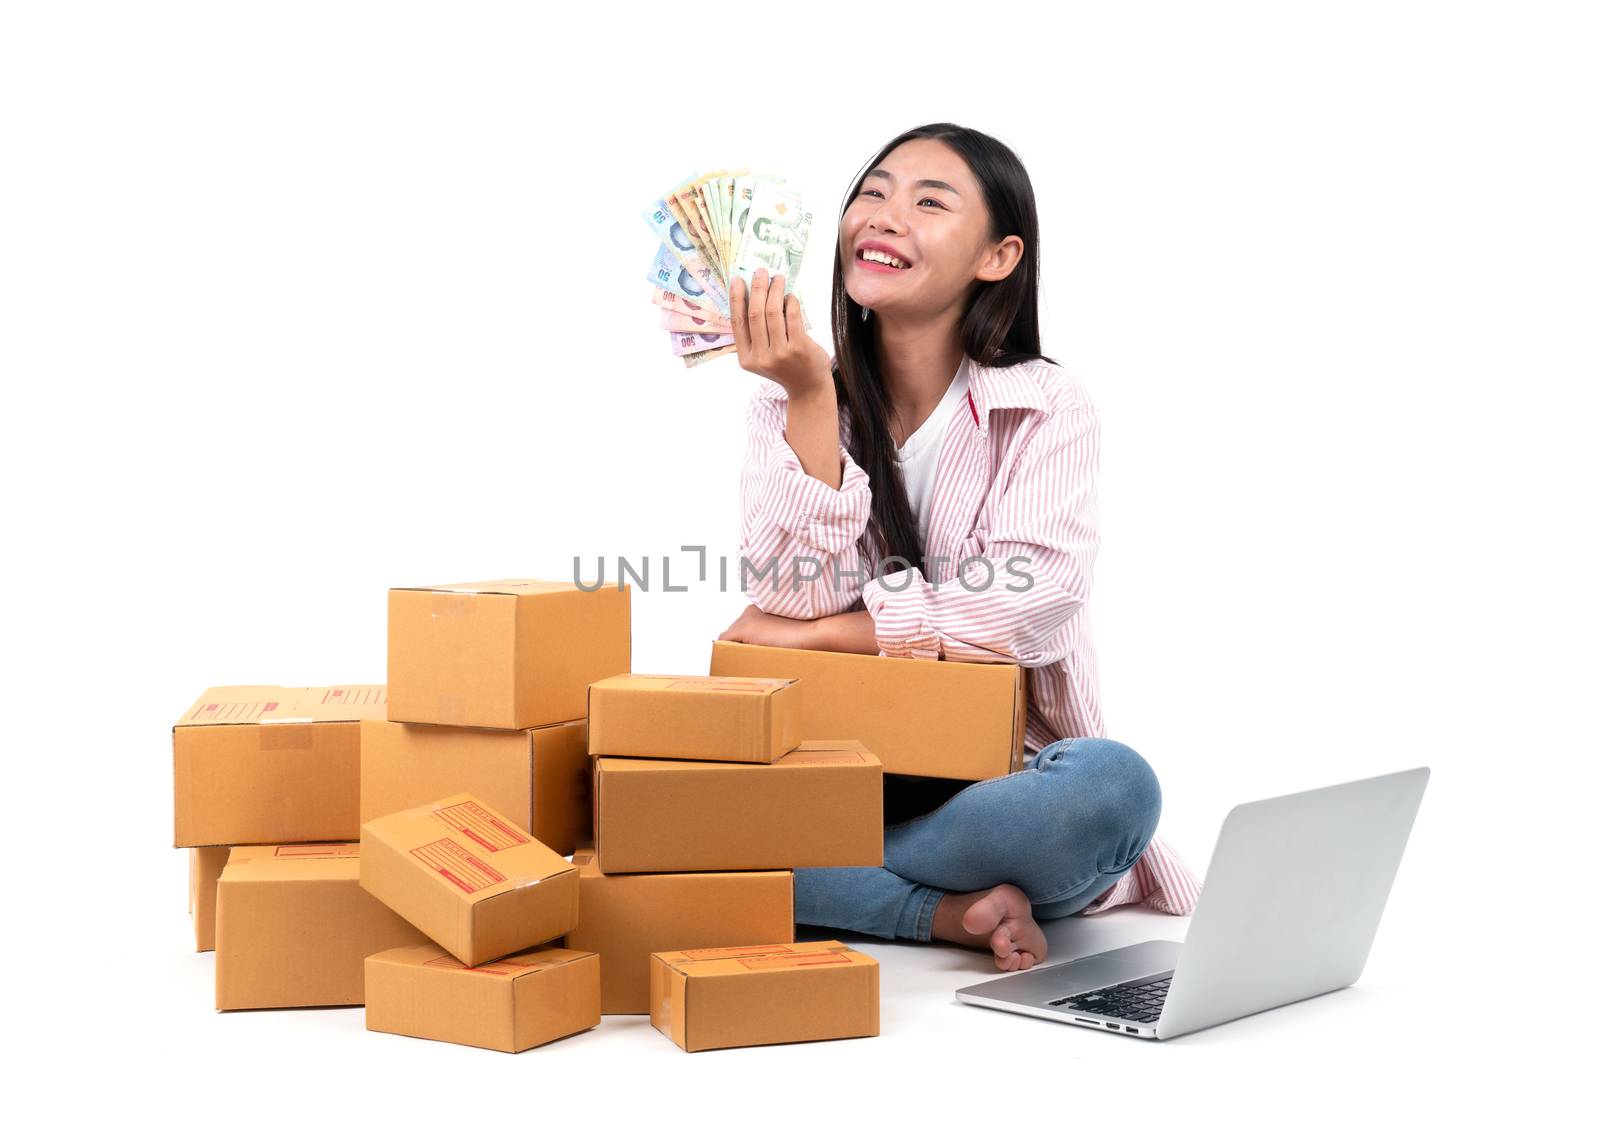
[(405, 848), (472, 791), (274, 788), (266, 784), (703, 785)]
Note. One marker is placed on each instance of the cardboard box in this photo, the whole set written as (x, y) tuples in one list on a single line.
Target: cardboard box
[(468, 878), (946, 719), (763, 994), (742, 719), (205, 867), (512, 1004), (262, 764), (627, 917), (503, 654), (539, 778), (294, 927), (818, 805)]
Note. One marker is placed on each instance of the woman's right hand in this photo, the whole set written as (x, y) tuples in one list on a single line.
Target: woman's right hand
[(770, 337)]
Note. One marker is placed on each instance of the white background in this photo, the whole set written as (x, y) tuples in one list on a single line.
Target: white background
[(304, 300)]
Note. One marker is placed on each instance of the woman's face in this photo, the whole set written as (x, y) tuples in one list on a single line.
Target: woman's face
[(923, 207)]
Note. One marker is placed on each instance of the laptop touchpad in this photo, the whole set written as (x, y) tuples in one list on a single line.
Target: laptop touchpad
[(1094, 972), (1115, 966)]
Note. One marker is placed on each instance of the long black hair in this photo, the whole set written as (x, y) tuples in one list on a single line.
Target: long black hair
[(999, 328)]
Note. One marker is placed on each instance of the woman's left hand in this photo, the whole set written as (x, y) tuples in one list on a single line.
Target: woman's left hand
[(757, 628)]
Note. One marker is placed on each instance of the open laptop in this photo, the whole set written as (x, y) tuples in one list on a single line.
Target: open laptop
[(1288, 911)]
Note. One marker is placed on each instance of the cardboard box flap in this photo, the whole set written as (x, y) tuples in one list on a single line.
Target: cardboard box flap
[(287, 852), (272, 704), (506, 968), (652, 682), (238, 704), (510, 587), (849, 751), (810, 753), (301, 862), (747, 959), (588, 867), (343, 702)]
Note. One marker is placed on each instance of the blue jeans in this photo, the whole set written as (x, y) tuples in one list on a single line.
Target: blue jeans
[(1062, 829)]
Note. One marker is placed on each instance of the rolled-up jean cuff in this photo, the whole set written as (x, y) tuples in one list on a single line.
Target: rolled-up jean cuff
[(916, 916)]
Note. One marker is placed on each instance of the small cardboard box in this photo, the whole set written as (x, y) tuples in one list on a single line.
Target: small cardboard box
[(627, 917), (511, 1005), (818, 805), (763, 994), (468, 878), (947, 719), (205, 867), (262, 764), (294, 927), (743, 719), (503, 654), (539, 778)]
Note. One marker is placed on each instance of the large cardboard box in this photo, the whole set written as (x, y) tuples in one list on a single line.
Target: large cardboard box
[(205, 867), (742, 719), (539, 778), (262, 764), (294, 927), (468, 878), (818, 805), (512, 1004), (627, 917), (763, 994), (503, 654), (947, 719)]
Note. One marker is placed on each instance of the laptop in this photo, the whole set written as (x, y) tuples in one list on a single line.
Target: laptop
[(1289, 909)]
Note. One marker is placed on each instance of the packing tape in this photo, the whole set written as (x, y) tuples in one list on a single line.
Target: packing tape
[(284, 736), (451, 604), (452, 709)]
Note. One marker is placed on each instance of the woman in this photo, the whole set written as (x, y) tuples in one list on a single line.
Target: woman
[(941, 442)]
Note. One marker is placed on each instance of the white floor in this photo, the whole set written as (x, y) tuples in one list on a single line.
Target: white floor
[(1382, 1057)]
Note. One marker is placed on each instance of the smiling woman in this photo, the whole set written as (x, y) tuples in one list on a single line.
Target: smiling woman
[(929, 491)]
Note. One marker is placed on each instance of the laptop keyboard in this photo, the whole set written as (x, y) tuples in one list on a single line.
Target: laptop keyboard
[(1137, 1001)]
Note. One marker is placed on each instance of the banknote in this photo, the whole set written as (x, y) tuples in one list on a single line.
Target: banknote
[(683, 343), (774, 235), (674, 321), (694, 359), (714, 227), (681, 243), (672, 302)]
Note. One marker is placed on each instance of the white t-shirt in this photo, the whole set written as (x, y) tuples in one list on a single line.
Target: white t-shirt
[(918, 460)]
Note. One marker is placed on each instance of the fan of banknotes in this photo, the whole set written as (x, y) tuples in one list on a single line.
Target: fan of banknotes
[(713, 228)]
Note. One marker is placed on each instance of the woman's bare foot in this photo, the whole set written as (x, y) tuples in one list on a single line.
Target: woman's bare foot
[(1001, 918)]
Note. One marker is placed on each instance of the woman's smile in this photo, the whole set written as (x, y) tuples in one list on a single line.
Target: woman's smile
[(881, 258)]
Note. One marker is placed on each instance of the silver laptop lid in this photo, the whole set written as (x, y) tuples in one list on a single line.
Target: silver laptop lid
[(1292, 899)]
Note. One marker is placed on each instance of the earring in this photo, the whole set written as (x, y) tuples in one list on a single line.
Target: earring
[(865, 312)]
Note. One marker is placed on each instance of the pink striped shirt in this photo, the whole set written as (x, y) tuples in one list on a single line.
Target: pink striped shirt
[(1013, 504)]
